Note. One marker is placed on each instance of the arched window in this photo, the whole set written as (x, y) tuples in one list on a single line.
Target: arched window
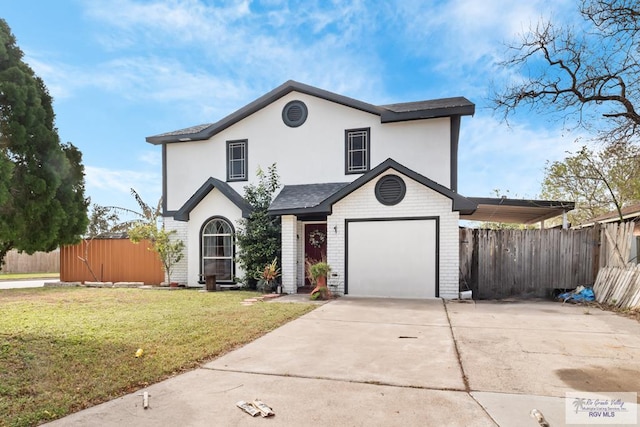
[(218, 249)]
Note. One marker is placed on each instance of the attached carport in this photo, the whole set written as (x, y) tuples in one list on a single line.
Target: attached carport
[(517, 211)]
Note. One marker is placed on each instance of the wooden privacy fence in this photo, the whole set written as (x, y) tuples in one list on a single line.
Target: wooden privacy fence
[(529, 263), (39, 262), (112, 260), (618, 281)]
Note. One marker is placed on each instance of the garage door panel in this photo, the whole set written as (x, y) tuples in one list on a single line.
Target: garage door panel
[(395, 258)]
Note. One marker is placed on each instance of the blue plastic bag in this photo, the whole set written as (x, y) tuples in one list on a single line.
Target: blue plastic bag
[(581, 294)]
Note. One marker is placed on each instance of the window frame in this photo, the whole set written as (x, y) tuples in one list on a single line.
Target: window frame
[(348, 166), (244, 143), (232, 242)]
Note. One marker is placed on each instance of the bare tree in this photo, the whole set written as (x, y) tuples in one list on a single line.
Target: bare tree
[(587, 74)]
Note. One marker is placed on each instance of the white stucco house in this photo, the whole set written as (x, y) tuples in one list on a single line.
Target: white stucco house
[(371, 187)]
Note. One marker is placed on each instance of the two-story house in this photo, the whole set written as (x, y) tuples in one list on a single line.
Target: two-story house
[(373, 188)]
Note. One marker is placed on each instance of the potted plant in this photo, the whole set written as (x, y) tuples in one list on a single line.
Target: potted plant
[(318, 271), (267, 277)]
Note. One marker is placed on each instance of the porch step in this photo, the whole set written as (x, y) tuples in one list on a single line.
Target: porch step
[(305, 289)]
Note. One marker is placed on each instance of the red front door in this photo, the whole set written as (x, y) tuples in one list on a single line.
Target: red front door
[(315, 245)]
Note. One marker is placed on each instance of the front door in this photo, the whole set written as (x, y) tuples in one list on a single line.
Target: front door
[(315, 245)]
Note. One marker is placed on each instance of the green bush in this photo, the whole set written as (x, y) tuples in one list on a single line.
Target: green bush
[(258, 236)]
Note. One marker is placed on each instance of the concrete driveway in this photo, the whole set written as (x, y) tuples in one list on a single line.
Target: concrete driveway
[(370, 362)]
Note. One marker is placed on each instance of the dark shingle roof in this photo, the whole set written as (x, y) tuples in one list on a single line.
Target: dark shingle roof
[(433, 104), (388, 113), (324, 207), (304, 196), (187, 131), (427, 109)]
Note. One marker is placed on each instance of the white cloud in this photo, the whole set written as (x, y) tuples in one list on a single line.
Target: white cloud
[(311, 42), (151, 157), (494, 156), (466, 39), (113, 187)]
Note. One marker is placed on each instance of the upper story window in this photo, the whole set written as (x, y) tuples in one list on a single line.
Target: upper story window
[(237, 160), (357, 150)]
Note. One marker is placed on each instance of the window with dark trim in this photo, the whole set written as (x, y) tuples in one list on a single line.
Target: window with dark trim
[(237, 160), (217, 248), (357, 150)]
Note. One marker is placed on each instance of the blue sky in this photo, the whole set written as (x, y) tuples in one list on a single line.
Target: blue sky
[(121, 70)]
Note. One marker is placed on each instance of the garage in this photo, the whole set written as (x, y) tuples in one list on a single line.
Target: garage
[(392, 257)]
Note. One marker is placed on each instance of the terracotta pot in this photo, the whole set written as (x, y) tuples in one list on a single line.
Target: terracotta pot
[(321, 283)]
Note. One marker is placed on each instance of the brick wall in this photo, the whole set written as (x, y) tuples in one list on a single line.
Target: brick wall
[(419, 201)]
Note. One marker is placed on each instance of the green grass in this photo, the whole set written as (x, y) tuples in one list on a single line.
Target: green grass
[(20, 276), (64, 349)]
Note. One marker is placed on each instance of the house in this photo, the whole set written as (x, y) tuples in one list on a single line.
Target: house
[(373, 188), (630, 214)]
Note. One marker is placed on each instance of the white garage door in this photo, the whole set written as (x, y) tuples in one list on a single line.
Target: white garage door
[(394, 258)]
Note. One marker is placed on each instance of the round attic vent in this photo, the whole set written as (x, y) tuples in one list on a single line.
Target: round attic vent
[(390, 190), (294, 114)]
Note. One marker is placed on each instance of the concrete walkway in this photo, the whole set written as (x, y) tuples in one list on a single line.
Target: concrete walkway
[(381, 362), (27, 283)]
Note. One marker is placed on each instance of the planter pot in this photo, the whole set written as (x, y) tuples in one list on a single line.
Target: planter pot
[(321, 282), (321, 286)]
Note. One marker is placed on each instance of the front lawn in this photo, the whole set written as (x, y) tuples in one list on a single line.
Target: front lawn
[(64, 349)]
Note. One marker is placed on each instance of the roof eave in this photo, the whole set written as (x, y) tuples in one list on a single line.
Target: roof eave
[(315, 210), (183, 214), (392, 116), (260, 103), (560, 204)]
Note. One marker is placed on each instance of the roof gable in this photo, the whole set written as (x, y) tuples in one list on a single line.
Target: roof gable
[(388, 113), (279, 207), (183, 213)]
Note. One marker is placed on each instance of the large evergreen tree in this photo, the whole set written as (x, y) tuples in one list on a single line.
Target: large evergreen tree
[(42, 201)]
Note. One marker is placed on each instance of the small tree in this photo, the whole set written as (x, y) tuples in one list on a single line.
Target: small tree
[(259, 235), (169, 250), (146, 226)]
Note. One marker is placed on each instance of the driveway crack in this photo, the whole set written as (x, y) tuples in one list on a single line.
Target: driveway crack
[(465, 380)]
